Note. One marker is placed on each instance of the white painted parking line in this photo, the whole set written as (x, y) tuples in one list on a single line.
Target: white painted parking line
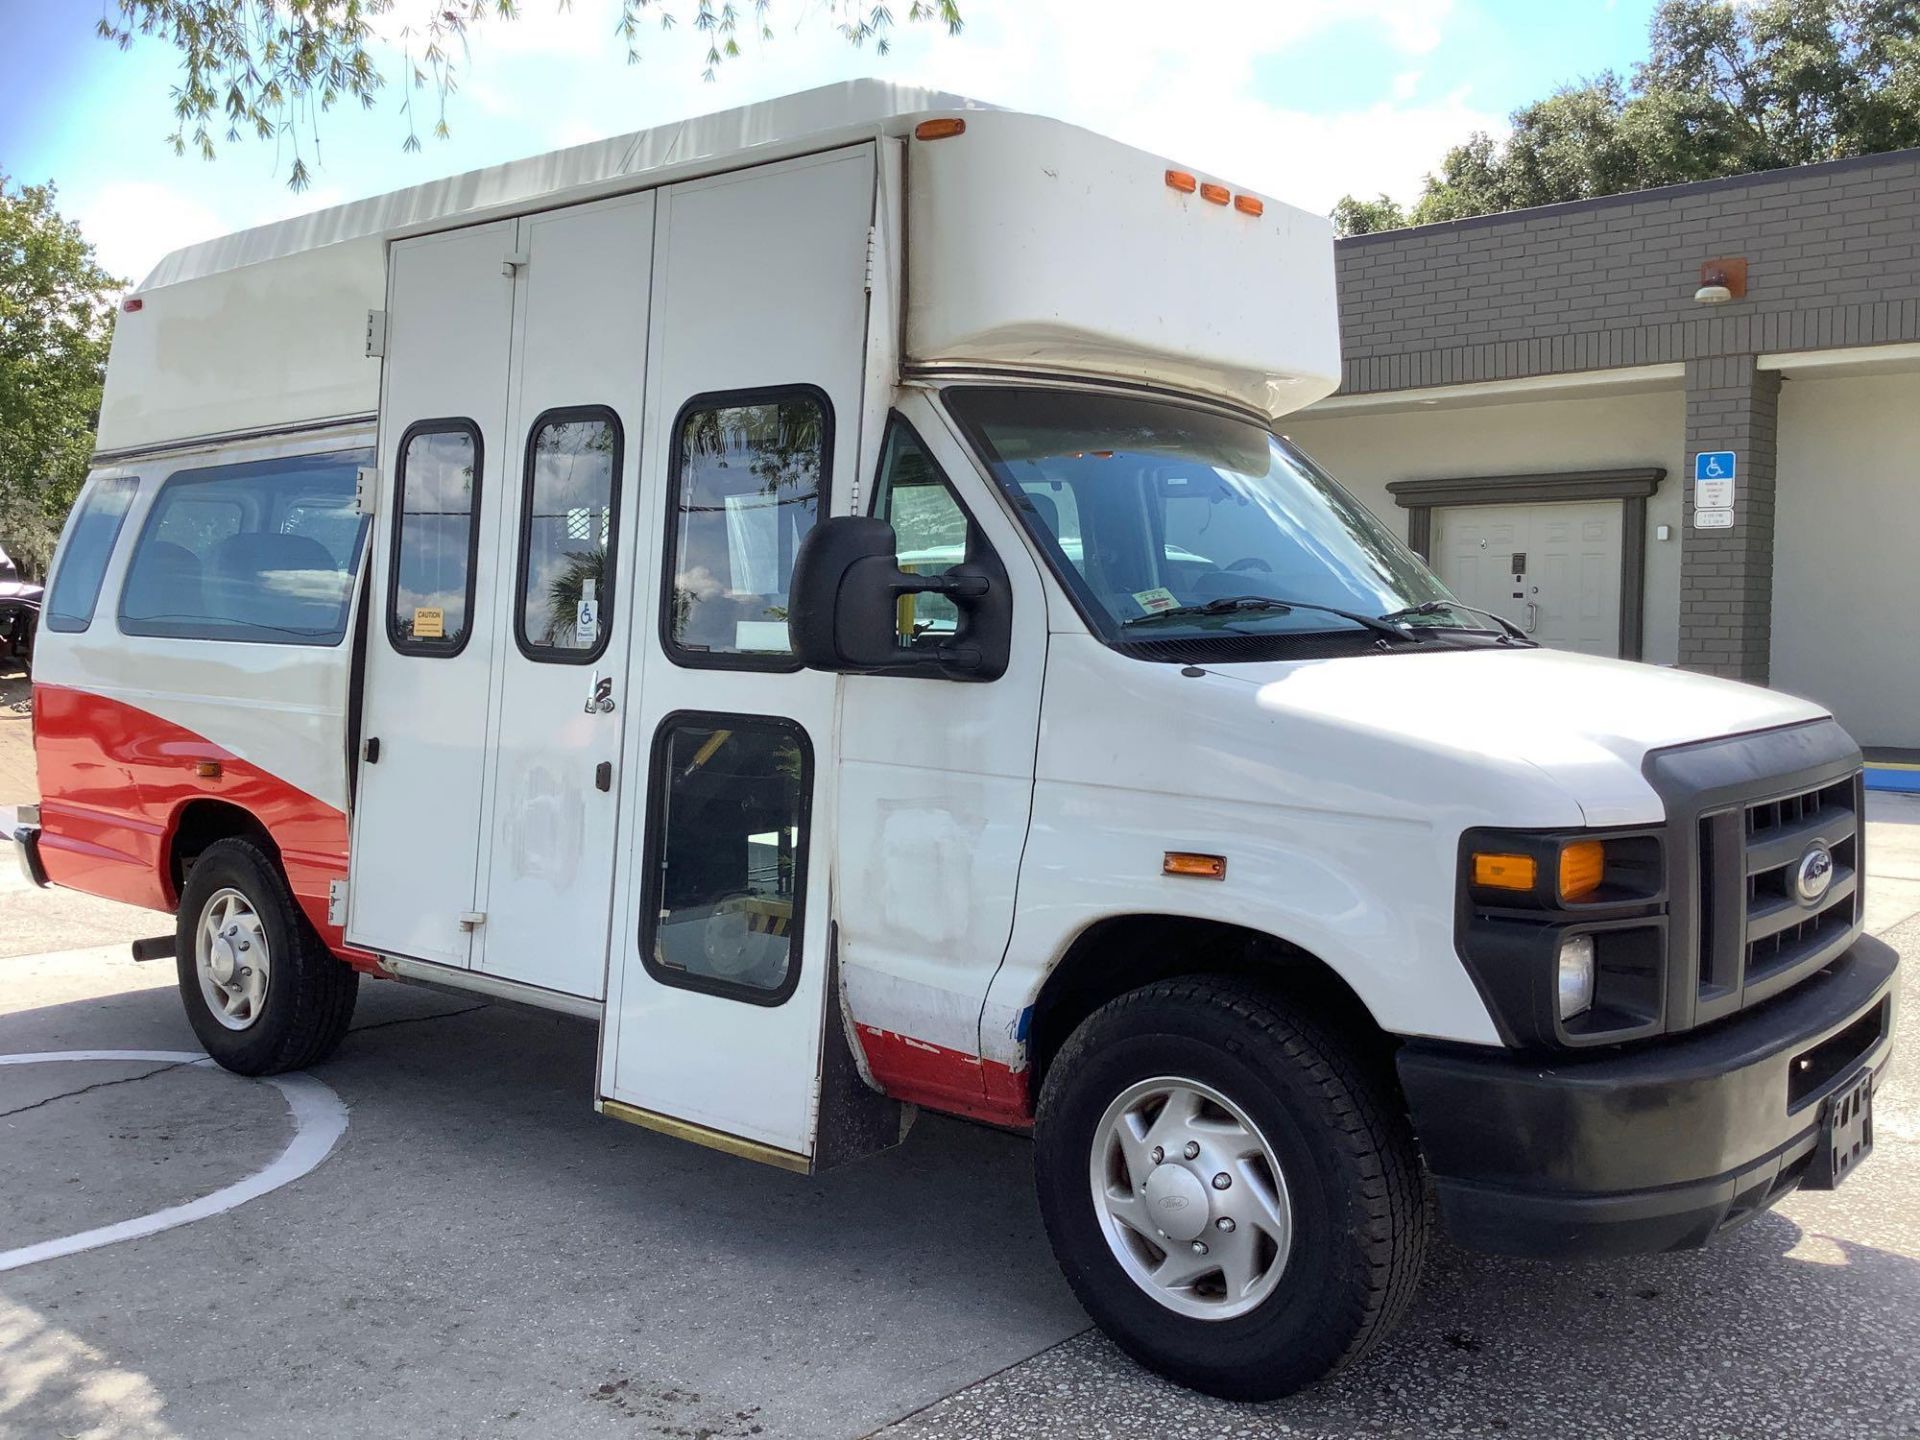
[(319, 1120)]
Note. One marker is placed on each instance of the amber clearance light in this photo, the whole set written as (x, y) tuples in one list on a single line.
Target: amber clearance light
[(939, 129), (1194, 865), (1504, 872)]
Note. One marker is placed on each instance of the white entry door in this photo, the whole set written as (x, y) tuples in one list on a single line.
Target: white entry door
[(431, 631), (717, 992), (1553, 569), (566, 559)]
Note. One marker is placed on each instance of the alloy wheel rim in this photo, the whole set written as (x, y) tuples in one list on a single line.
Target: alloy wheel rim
[(232, 959), (1191, 1198)]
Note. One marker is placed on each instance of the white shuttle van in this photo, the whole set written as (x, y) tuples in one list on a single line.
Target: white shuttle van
[(817, 589)]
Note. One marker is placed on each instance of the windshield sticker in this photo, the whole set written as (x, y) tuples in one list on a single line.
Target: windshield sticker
[(1155, 600), (429, 622)]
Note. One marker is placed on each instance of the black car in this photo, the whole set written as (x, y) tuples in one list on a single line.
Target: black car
[(19, 614)]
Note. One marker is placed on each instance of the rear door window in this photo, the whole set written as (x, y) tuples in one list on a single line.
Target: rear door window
[(241, 552), (743, 493), (436, 532), (91, 536)]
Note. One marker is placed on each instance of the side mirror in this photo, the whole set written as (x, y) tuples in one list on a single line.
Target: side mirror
[(843, 607)]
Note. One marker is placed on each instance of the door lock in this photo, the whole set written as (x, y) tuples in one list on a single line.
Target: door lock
[(600, 697)]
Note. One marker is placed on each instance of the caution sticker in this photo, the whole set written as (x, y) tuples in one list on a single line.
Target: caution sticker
[(1155, 600), (429, 622)]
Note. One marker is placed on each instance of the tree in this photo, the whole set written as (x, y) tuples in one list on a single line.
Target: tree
[(1364, 217), (1727, 89), (56, 319), (270, 69)]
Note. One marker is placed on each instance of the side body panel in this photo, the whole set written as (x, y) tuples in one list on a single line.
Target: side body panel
[(122, 724)]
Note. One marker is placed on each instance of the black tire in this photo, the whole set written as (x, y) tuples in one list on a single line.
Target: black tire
[(310, 991), (1360, 1220)]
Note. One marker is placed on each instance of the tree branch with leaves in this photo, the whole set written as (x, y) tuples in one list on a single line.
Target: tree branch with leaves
[(272, 69)]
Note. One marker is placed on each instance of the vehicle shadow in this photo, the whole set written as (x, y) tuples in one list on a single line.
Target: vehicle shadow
[(480, 1224)]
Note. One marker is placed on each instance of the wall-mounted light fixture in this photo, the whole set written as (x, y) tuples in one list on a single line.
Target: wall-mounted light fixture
[(1721, 281)]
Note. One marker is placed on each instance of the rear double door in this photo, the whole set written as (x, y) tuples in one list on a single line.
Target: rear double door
[(497, 648)]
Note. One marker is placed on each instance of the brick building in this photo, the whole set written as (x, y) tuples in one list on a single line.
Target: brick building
[(1535, 395)]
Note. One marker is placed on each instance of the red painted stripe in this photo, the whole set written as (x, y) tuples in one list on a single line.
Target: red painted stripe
[(950, 1081), (114, 780)]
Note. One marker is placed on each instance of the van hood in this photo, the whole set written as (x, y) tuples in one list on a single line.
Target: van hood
[(1586, 722)]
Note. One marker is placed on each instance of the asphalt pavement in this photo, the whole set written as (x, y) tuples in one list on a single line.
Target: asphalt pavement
[(481, 1255)]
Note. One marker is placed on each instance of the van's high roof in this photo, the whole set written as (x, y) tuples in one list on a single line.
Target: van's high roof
[(1023, 246), (812, 120)]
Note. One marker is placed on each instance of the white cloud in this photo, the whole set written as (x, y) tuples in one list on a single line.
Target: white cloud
[(132, 223)]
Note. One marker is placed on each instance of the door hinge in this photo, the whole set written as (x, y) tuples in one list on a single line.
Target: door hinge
[(366, 489), (376, 334), (873, 254), (513, 264), (336, 902), (472, 919)]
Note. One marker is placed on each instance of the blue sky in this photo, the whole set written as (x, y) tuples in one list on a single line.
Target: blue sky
[(1304, 99)]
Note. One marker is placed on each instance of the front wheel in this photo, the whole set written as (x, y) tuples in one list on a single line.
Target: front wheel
[(262, 990), (1232, 1196)]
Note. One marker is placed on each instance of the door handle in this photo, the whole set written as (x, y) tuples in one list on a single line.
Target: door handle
[(1533, 617), (600, 696), (603, 776)]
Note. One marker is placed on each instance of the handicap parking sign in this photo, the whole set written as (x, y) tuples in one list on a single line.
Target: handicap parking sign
[(1713, 477)]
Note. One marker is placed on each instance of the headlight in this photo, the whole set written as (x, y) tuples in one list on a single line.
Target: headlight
[(1576, 975)]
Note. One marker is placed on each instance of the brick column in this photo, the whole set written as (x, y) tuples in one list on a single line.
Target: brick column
[(1726, 576)]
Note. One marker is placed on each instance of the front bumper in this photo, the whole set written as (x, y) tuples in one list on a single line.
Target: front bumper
[(26, 844), (1652, 1148)]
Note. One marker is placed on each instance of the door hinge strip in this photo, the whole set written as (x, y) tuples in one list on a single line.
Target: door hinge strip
[(873, 254)]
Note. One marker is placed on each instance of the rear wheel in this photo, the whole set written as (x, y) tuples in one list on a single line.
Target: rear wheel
[(262, 990), (1232, 1195)]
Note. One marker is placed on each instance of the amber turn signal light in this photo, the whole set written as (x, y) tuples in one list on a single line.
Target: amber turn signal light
[(1583, 864), (1194, 865), (1505, 872), (939, 129)]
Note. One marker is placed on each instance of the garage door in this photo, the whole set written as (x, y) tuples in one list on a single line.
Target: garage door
[(1552, 569)]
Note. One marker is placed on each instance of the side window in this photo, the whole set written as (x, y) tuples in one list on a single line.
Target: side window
[(224, 554), (727, 855), (91, 536), (567, 525), (436, 505), (931, 532), (744, 490)]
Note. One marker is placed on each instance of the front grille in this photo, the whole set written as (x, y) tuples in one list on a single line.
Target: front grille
[(1758, 935)]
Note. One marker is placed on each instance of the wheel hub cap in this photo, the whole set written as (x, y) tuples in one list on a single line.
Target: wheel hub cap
[(231, 959), (1177, 1201), (1191, 1198)]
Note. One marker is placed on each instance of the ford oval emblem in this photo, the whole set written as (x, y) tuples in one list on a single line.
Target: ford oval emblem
[(1174, 1204), (1814, 874)]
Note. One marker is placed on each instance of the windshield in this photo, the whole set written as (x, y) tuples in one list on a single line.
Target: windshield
[(1169, 522)]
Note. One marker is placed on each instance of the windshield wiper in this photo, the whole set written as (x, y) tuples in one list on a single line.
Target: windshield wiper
[(1228, 604), (1434, 607)]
